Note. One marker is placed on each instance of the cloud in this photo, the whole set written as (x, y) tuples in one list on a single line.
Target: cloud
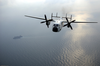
[(7, 2)]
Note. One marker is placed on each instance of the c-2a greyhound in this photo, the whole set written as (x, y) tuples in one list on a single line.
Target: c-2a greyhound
[(58, 23)]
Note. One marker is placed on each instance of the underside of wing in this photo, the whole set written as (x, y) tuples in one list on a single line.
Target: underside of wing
[(35, 17)]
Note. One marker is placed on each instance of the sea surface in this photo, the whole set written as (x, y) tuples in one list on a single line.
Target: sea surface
[(46, 48)]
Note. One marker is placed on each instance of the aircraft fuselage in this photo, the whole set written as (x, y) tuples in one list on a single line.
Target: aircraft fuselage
[(57, 26)]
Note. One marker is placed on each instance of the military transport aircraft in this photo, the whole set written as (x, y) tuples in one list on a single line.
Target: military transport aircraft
[(58, 23)]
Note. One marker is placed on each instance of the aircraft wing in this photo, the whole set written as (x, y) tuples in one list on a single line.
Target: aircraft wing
[(35, 17), (84, 22), (64, 21)]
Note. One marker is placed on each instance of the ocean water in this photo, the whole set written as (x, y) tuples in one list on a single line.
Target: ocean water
[(46, 48)]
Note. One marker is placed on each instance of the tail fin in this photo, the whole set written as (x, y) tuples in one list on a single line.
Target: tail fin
[(56, 16)]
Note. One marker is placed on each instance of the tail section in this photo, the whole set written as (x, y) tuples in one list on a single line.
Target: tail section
[(56, 16), (68, 17)]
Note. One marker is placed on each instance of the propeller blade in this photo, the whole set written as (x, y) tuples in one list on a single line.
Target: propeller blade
[(72, 21), (50, 20), (45, 17), (67, 20), (71, 27), (65, 25), (48, 26), (43, 22)]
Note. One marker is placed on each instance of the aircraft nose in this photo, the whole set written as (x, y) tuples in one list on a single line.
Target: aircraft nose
[(55, 29)]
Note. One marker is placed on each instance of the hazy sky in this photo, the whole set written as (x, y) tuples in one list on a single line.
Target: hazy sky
[(13, 11), (85, 8), (12, 14)]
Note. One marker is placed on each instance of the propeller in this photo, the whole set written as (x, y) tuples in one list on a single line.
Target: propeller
[(69, 23), (47, 21)]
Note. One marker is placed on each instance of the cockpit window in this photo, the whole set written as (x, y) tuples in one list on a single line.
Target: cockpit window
[(55, 25)]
